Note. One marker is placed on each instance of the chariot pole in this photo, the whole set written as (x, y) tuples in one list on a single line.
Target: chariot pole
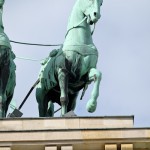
[(17, 112)]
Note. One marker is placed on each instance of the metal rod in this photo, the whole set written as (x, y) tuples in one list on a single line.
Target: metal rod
[(28, 94)]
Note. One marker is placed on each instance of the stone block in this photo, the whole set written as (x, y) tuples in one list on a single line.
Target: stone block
[(66, 147), (111, 147), (126, 146), (5, 148), (51, 148)]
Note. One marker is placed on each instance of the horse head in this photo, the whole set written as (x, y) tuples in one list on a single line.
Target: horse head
[(91, 9), (1, 2)]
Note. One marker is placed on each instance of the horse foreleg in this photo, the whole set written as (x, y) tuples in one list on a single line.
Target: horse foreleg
[(94, 75), (63, 84), (4, 77)]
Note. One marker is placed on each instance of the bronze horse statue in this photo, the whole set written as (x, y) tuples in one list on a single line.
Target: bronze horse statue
[(71, 68), (7, 69)]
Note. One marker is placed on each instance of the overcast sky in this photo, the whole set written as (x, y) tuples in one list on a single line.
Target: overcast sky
[(122, 37)]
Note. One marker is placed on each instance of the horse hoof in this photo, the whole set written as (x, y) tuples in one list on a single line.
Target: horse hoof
[(91, 106)]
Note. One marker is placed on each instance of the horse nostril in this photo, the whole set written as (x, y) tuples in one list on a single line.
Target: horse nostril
[(95, 14), (91, 22)]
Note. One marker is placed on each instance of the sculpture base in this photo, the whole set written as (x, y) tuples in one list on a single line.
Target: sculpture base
[(73, 133)]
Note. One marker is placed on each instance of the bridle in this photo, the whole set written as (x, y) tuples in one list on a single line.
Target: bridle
[(78, 24)]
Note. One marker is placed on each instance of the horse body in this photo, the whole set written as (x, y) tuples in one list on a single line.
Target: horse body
[(74, 64), (7, 69)]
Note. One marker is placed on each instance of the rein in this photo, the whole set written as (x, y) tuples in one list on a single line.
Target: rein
[(75, 26), (79, 25), (34, 44)]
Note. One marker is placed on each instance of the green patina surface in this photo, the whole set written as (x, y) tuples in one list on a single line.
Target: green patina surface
[(73, 66), (7, 68)]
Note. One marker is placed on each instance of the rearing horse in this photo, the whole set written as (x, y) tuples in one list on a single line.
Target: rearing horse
[(73, 67), (7, 69)]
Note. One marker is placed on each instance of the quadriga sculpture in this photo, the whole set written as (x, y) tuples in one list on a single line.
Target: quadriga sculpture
[(71, 68), (7, 69)]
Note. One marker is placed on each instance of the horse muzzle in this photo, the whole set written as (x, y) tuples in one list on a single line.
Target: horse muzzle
[(93, 18)]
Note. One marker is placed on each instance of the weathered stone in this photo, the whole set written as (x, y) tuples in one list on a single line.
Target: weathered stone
[(110, 147)]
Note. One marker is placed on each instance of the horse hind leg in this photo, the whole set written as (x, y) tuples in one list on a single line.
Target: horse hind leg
[(50, 109), (4, 77), (8, 102), (2, 106), (94, 75), (72, 102), (63, 84), (42, 103)]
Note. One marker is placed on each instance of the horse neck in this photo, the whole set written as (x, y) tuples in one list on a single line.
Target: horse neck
[(81, 34)]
